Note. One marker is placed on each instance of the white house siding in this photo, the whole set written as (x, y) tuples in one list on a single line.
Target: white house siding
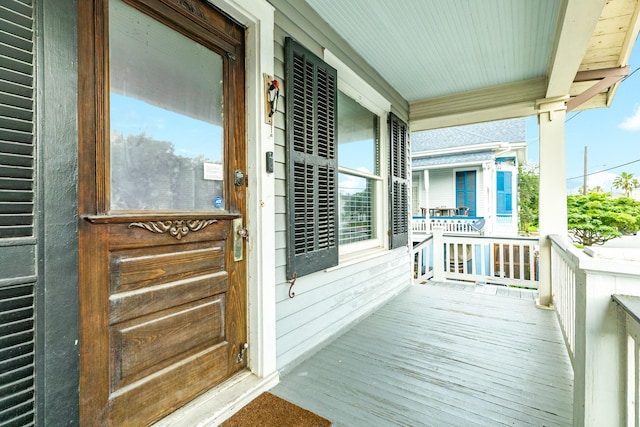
[(441, 188), (328, 301), (420, 195)]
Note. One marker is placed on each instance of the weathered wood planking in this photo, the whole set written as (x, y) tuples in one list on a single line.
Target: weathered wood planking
[(437, 356)]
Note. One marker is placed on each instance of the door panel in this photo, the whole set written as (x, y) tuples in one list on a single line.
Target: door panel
[(163, 301)]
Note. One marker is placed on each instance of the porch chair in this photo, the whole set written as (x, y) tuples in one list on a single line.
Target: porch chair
[(462, 211)]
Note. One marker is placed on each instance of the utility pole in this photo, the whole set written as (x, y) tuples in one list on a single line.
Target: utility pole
[(584, 185)]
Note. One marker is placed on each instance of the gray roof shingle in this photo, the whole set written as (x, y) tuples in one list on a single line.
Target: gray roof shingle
[(512, 130)]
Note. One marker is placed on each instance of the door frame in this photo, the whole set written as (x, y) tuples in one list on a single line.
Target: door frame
[(258, 18)]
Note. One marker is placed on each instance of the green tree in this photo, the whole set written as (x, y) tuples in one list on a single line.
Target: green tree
[(596, 189), (597, 218), (528, 195), (626, 182)]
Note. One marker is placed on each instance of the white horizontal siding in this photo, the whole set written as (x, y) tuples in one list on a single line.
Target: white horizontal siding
[(421, 198), (441, 188), (325, 303), (328, 301)]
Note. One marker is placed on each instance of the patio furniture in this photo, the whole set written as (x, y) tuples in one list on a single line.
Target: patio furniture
[(442, 211), (462, 211)]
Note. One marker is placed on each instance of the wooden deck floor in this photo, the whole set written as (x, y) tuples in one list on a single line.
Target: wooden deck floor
[(439, 356)]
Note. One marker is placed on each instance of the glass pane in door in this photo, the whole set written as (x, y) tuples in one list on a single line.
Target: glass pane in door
[(166, 117)]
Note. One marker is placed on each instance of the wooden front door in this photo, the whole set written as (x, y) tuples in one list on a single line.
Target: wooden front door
[(162, 206)]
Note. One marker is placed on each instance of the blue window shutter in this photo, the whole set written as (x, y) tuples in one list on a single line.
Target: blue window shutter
[(466, 190), (312, 164), (504, 193)]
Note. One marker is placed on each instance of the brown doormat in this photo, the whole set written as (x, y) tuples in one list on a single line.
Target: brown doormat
[(268, 410)]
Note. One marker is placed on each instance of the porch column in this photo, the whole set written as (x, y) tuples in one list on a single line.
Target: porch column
[(553, 190), (488, 179), (438, 254)]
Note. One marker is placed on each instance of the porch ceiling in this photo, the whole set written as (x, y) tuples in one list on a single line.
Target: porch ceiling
[(459, 62)]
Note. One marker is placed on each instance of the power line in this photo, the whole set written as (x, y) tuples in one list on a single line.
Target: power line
[(605, 170)]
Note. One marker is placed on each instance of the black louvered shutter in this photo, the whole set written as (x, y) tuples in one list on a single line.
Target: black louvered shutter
[(17, 284), (312, 168), (399, 182), (16, 119)]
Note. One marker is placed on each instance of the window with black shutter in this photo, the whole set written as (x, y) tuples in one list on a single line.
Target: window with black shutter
[(311, 108), (16, 121), (17, 287), (398, 182)]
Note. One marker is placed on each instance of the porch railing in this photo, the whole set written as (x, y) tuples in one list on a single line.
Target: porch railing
[(602, 341), (461, 225), (565, 262), (629, 323), (423, 259), (482, 259)]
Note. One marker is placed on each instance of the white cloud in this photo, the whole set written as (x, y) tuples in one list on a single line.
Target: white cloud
[(352, 185), (603, 179), (632, 123)]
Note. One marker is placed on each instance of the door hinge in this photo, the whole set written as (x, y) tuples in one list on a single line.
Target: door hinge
[(243, 349)]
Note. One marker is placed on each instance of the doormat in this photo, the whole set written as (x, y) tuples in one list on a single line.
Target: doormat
[(268, 410)]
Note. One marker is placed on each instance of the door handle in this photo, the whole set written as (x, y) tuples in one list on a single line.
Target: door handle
[(239, 234)]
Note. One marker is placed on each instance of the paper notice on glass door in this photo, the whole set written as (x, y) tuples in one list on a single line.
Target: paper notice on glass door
[(213, 171)]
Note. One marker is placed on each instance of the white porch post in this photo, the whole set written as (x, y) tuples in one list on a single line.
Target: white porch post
[(553, 191), (438, 254), (488, 179)]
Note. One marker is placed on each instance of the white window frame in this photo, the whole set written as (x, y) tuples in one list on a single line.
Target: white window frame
[(352, 85)]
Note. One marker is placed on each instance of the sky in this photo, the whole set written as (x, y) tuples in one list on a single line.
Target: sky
[(190, 137), (611, 135)]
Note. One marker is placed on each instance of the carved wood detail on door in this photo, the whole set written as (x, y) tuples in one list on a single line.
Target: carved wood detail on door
[(177, 228)]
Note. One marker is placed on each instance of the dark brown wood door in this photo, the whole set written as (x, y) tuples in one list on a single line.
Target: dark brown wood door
[(162, 201)]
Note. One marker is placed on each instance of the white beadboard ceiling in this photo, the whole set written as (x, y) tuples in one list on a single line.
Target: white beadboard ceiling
[(465, 61), (430, 48)]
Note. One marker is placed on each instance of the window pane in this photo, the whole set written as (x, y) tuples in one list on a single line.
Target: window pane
[(165, 117), (357, 208), (357, 136)]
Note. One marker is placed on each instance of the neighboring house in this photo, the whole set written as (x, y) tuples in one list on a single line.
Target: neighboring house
[(472, 169), (169, 230)]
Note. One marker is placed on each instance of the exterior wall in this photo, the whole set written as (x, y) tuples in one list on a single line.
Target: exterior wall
[(328, 301), (325, 302), (54, 255), (59, 251), (420, 192), (442, 188)]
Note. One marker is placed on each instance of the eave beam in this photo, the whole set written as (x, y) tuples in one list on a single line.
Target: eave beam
[(606, 78), (494, 103)]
